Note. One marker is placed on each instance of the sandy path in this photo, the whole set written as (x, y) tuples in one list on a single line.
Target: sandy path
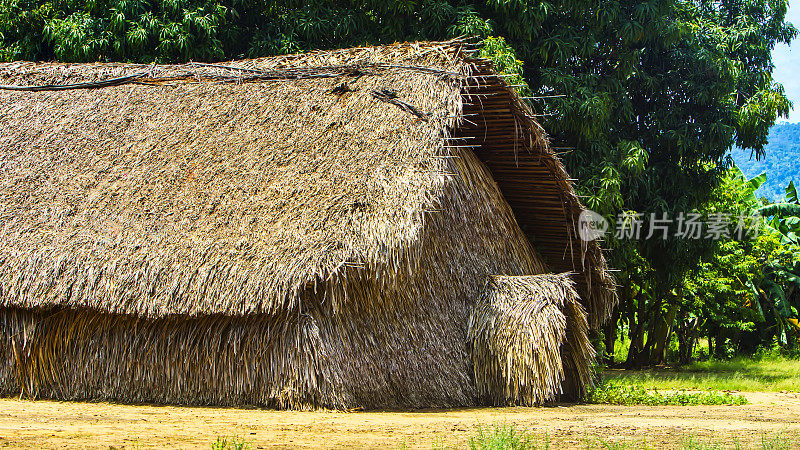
[(37, 424)]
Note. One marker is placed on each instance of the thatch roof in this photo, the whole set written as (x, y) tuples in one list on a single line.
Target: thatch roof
[(230, 189)]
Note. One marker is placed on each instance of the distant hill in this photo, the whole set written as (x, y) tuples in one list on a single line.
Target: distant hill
[(782, 162)]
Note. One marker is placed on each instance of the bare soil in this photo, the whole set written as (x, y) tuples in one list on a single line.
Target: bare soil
[(47, 424)]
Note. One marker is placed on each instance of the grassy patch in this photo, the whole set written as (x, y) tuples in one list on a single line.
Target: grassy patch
[(230, 443), (621, 394), (775, 442), (772, 373), (506, 437), (512, 438)]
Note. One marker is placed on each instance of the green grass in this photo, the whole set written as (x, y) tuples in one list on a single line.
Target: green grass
[(622, 394), (506, 437), (774, 442), (230, 443), (772, 373), (502, 437)]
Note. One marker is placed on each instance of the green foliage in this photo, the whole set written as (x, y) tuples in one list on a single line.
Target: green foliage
[(779, 284), (718, 289), (180, 30), (783, 218), (655, 141), (620, 394), (505, 60), (123, 30), (750, 285)]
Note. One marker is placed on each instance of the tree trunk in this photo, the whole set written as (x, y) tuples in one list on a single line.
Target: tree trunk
[(694, 335), (719, 342), (685, 343), (610, 335), (661, 335), (636, 347), (710, 340)]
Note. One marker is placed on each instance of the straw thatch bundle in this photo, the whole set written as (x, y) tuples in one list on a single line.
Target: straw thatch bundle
[(302, 231), (527, 332)]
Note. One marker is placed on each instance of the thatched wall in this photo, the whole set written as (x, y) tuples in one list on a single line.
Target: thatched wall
[(302, 231)]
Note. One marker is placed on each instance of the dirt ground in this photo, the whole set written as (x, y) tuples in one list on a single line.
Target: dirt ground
[(46, 424)]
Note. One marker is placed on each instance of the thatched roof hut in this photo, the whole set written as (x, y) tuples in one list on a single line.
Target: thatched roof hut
[(371, 227)]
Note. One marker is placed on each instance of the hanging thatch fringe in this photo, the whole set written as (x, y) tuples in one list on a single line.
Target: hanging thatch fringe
[(326, 244), (526, 333)]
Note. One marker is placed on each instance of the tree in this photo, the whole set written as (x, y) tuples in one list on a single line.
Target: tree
[(777, 289), (658, 137), (745, 288), (718, 292)]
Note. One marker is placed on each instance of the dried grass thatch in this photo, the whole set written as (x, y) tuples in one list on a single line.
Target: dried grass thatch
[(301, 231), (529, 334)]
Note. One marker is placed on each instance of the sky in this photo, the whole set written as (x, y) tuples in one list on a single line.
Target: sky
[(787, 64)]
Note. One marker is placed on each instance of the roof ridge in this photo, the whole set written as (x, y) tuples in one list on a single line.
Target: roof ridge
[(151, 76), (443, 57)]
